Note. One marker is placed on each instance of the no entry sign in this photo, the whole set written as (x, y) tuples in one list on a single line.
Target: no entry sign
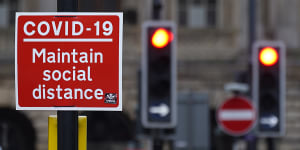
[(236, 116), (69, 61)]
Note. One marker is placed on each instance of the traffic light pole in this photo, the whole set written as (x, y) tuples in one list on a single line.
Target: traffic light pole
[(157, 140), (251, 137), (157, 144), (270, 143), (67, 121), (252, 28), (157, 6)]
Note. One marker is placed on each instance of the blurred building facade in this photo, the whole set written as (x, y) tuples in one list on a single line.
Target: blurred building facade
[(212, 49)]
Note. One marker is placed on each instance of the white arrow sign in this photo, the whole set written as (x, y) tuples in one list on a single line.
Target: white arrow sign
[(163, 110), (272, 121)]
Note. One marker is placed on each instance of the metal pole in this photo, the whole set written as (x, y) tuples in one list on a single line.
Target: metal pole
[(67, 121), (67, 130), (157, 144), (251, 138), (252, 22), (157, 140), (270, 143), (67, 5), (251, 38), (157, 6)]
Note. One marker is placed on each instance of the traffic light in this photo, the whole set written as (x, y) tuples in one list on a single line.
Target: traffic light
[(268, 87), (158, 75)]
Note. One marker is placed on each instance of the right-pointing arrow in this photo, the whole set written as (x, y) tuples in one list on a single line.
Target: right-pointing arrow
[(272, 121), (163, 110)]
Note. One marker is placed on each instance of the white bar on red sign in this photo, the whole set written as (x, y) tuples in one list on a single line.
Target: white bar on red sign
[(236, 114)]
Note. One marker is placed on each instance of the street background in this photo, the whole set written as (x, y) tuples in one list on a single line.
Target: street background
[(212, 50)]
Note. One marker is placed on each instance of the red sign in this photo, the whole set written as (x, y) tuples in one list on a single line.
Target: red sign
[(69, 61), (236, 116)]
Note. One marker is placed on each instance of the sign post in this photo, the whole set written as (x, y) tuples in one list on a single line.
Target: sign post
[(67, 126), (236, 116)]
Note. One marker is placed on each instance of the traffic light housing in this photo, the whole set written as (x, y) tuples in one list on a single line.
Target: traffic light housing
[(158, 75), (268, 87)]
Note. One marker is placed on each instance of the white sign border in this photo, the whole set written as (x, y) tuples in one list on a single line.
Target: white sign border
[(119, 14)]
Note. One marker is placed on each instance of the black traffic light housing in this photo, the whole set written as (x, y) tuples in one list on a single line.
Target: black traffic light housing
[(158, 75), (268, 87)]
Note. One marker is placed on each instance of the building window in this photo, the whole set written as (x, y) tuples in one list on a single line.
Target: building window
[(197, 13)]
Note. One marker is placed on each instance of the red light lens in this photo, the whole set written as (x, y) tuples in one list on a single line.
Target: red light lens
[(161, 38), (268, 56)]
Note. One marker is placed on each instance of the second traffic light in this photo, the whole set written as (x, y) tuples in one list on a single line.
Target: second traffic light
[(268, 87), (158, 75)]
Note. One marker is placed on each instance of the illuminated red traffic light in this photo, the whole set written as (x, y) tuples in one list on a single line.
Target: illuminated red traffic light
[(161, 38), (269, 86), (268, 56)]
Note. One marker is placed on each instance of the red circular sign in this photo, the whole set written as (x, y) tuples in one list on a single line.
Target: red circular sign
[(236, 116)]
